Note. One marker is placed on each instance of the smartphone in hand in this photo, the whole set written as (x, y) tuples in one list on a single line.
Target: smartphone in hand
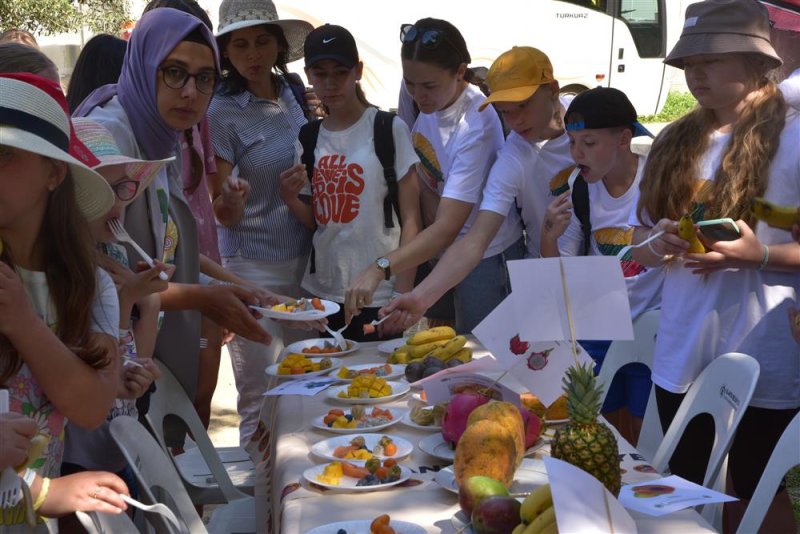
[(719, 229)]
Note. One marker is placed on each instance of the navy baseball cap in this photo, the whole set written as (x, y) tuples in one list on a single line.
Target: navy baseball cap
[(331, 42), (603, 107)]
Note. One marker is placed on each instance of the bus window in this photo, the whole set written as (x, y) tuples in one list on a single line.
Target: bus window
[(646, 23)]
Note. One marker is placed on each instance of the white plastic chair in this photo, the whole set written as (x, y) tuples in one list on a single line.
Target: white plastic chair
[(640, 350), (211, 475), (100, 523), (723, 390), (785, 456)]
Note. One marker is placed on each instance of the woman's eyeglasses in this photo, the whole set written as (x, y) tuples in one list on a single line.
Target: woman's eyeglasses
[(429, 38), (176, 78), (126, 189)]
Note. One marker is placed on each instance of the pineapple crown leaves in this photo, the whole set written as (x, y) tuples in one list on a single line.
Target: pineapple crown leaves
[(583, 394)]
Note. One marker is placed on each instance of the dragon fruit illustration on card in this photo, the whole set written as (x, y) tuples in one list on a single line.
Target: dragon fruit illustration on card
[(538, 360)]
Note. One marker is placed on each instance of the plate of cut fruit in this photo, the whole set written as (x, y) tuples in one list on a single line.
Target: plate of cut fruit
[(386, 371), (368, 526), (355, 475), (363, 447), (368, 389), (304, 309), (296, 366), (424, 418), (323, 346), (358, 419)]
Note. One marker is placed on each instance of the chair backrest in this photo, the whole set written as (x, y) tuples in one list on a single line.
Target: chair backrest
[(723, 390), (785, 456), (158, 478), (638, 350), (100, 523), (170, 399)]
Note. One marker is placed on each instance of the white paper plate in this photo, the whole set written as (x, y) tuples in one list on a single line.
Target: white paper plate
[(406, 420), (397, 414), (396, 372), (530, 475), (437, 447), (325, 448), (388, 347), (398, 390), (362, 527), (335, 364), (298, 347), (330, 309), (418, 397), (348, 483)]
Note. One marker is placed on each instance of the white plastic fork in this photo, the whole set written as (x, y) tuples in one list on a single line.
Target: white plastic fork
[(122, 235), (337, 335), (10, 483), (157, 508), (627, 248), (376, 322)]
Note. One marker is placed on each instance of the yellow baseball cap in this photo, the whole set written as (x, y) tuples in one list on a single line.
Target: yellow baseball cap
[(517, 74)]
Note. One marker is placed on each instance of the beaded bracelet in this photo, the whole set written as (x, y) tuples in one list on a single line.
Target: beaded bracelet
[(42, 493), (766, 258)]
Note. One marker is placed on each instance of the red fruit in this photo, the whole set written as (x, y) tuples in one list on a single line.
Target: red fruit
[(455, 417), (533, 427)]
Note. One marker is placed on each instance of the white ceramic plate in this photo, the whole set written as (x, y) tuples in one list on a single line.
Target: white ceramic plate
[(330, 309), (436, 446), (418, 397), (321, 342), (362, 527), (335, 364), (406, 420), (397, 414), (388, 347), (349, 483), (398, 390), (325, 448), (530, 475), (396, 372)]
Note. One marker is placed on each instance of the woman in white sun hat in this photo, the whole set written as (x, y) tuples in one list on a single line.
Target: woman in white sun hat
[(58, 312)]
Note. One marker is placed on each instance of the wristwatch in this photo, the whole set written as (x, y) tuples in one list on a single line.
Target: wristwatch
[(385, 266)]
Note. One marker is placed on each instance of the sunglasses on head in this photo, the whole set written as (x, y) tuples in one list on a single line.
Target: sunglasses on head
[(429, 38), (126, 189)]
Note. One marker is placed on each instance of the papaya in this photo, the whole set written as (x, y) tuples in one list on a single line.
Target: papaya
[(486, 448), (506, 415)]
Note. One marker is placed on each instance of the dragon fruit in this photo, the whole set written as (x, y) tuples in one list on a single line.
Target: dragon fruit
[(533, 427), (455, 417)]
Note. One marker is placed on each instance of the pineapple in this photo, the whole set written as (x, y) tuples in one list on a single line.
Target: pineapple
[(584, 441)]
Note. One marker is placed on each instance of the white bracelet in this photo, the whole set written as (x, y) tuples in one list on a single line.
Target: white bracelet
[(650, 245), (29, 476)]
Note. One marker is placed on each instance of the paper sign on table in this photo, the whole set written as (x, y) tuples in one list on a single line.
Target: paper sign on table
[(667, 495), (597, 294), (308, 386), (540, 365), (440, 390), (583, 504)]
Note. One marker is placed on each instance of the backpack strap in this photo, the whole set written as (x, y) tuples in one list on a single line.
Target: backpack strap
[(580, 203), (308, 135), (384, 149), (298, 89)]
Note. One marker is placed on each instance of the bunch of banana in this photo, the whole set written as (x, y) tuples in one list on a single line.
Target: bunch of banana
[(778, 216), (686, 231), (537, 513), (440, 342)]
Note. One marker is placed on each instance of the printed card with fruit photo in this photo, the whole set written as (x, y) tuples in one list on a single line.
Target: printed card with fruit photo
[(667, 495)]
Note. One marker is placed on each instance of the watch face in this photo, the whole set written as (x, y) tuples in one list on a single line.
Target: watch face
[(383, 263)]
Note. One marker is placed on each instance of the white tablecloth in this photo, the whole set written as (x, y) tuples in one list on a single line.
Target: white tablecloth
[(291, 505)]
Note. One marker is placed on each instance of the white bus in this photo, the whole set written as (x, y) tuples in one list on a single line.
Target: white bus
[(617, 43)]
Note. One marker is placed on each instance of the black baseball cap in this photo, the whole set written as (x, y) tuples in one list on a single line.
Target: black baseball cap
[(603, 107), (330, 42)]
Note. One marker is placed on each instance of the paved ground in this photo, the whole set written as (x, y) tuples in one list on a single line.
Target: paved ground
[(224, 427)]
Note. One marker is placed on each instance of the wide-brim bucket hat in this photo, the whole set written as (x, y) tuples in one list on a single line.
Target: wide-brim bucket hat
[(33, 119), (724, 27), (101, 142), (237, 14)]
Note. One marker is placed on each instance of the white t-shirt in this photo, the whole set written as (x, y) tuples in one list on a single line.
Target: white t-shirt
[(348, 190), (737, 310), (610, 233), (523, 170), (457, 146)]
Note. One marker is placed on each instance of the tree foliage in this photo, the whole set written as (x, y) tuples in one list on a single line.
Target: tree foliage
[(57, 16)]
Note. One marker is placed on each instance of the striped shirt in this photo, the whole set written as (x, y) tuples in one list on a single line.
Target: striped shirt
[(257, 137)]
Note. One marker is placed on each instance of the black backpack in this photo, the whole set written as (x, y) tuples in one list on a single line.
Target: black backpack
[(384, 149)]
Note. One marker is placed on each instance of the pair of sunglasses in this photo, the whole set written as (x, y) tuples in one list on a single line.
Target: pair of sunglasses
[(429, 38)]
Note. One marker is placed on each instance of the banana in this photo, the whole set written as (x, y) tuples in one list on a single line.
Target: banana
[(398, 356), (419, 351), (550, 528), (772, 214), (686, 231), (535, 503), (519, 529), (541, 521), (465, 355), (39, 443), (432, 334), (446, 351)]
